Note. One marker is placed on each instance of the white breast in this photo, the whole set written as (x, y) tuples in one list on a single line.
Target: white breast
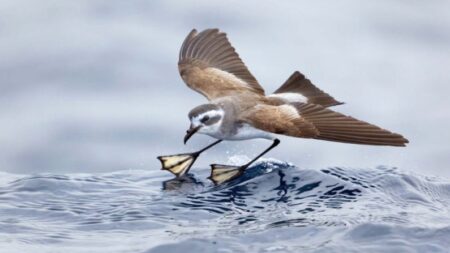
[(248, 132)]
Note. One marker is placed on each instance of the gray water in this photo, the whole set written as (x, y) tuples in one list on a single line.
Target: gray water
[(274, 207), (90, 95)]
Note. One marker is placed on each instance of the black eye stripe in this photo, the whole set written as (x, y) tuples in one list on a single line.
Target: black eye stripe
[(212, 120), (204, 119)]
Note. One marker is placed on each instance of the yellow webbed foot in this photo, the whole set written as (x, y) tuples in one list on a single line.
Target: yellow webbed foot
[(224, 173), (179, 164)]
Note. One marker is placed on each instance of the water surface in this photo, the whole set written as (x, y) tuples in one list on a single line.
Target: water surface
[(274, 207)]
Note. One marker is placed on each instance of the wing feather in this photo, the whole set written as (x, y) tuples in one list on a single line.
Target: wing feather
[(315, 121), (297, 83), (282, 119), (209, 64), (334, 126)]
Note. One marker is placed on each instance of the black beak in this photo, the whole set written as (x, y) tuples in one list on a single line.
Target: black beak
[(190, 132)]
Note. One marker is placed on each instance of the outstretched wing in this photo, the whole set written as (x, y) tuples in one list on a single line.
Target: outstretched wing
[(315, 121), (209, 65), (334, 126), (298, 88)]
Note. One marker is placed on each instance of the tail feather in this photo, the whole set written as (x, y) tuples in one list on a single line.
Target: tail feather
[(334, 126)]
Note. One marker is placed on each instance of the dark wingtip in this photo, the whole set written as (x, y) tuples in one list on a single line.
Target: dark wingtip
[(406, 142)]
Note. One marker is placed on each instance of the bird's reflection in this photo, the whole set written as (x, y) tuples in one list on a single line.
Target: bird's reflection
[(185, 181)]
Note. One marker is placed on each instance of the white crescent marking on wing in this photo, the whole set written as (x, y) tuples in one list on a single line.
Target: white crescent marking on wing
[(290, 97)]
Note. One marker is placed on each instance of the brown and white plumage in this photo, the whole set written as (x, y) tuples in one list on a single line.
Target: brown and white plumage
[(210, 65), (298, 84)]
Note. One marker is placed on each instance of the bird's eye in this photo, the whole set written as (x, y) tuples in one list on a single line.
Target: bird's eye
[(204, 119)]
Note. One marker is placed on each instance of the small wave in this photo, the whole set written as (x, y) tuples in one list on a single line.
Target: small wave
[(272, 198)]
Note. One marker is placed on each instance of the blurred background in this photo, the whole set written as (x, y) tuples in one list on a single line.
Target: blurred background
[(93, 86)]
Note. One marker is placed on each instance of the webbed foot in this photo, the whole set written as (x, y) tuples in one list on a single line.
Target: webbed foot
[(224, 173), (179, 164)]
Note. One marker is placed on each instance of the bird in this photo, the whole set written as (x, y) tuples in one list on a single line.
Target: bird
[(239, 109)]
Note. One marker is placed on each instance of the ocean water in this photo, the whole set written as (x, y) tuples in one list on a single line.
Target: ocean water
[(273, 207)]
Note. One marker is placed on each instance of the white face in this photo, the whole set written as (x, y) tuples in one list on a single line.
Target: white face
[(209, 121)]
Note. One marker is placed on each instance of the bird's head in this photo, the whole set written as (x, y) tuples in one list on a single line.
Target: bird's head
[(205, 119)]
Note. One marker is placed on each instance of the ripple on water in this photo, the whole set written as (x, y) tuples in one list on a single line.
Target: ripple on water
[(334, 208)]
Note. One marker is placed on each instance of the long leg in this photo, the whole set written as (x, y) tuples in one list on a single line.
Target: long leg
[(274, 144), (180, 164), (208, 147), (224, 173)]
